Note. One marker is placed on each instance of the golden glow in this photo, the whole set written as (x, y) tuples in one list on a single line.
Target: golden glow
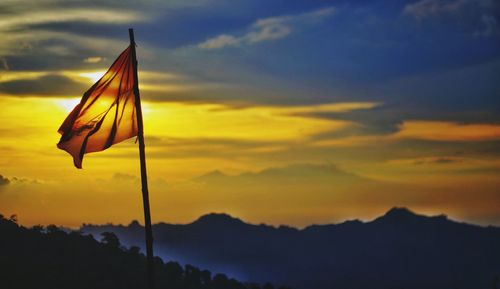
[(18, 75), (428, 165), (184, 141), (93, 76), (93, 59), (68, 104), (179, 120), (37, 120), (448, 131), (333, 107)]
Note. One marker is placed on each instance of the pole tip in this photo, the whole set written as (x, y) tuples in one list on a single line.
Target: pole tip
[(131, 35)]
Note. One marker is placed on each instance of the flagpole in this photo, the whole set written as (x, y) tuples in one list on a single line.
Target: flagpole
[(144, 177)]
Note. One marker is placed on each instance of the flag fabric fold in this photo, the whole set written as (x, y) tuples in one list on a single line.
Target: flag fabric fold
[(106, 115)]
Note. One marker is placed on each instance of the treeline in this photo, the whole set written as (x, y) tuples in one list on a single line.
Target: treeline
[(50, 258)]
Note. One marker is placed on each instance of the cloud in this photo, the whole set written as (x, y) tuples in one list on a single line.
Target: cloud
[(34, 29), (27, 32), (220, 42), (29, 18), (427, 130), (125, 177), (155, 86), (495, 170), (4, 63), (93, 59), (48, 50), (75, 82), (187, 131), (220, 121), (490, 26), (332, 108), (424, 8), (267, 29), (438, 160), (46, 85), (4, 181), (447, 131)]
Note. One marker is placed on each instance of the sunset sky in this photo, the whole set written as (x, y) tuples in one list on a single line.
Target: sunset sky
[(274, 111)]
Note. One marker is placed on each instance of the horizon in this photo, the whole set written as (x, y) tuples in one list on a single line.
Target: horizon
[(275, 226), (283, 113)]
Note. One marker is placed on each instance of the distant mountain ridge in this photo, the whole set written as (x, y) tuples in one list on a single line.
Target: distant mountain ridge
[(400, 249), (324, 173)]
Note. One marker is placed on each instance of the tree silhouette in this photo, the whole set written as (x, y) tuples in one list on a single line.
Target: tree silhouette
[(44, 258), (110, 239)]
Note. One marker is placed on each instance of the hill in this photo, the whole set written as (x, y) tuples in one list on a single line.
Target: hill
[(400, 249), (50, 258)]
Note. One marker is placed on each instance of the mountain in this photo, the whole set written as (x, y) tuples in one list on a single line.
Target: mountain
[(50, 258), (400, 249), (294, 173)]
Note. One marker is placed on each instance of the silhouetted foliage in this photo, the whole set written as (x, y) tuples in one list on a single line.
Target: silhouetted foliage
[(110, 239), (13, 218), (40, 258)]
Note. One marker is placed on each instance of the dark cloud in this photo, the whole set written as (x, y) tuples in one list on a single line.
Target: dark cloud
[(16, 180), (446, 161), (4, 181), (125, 177), (378, 120), (61, 54), (47, 85), (370, 51), (481, 170), (4, 65), (441, 160)]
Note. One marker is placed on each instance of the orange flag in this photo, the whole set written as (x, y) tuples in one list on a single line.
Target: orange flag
[(106, 114)]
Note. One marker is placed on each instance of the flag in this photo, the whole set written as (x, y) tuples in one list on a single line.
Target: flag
[(106, 115)]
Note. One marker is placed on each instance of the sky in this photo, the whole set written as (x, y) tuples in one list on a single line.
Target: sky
[(289, 112)]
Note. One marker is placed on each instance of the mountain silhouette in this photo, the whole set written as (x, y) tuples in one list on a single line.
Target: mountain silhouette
[(400, 249), (217, 220), (295, 174), (50, 258), (400, 213), (215, 175)]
